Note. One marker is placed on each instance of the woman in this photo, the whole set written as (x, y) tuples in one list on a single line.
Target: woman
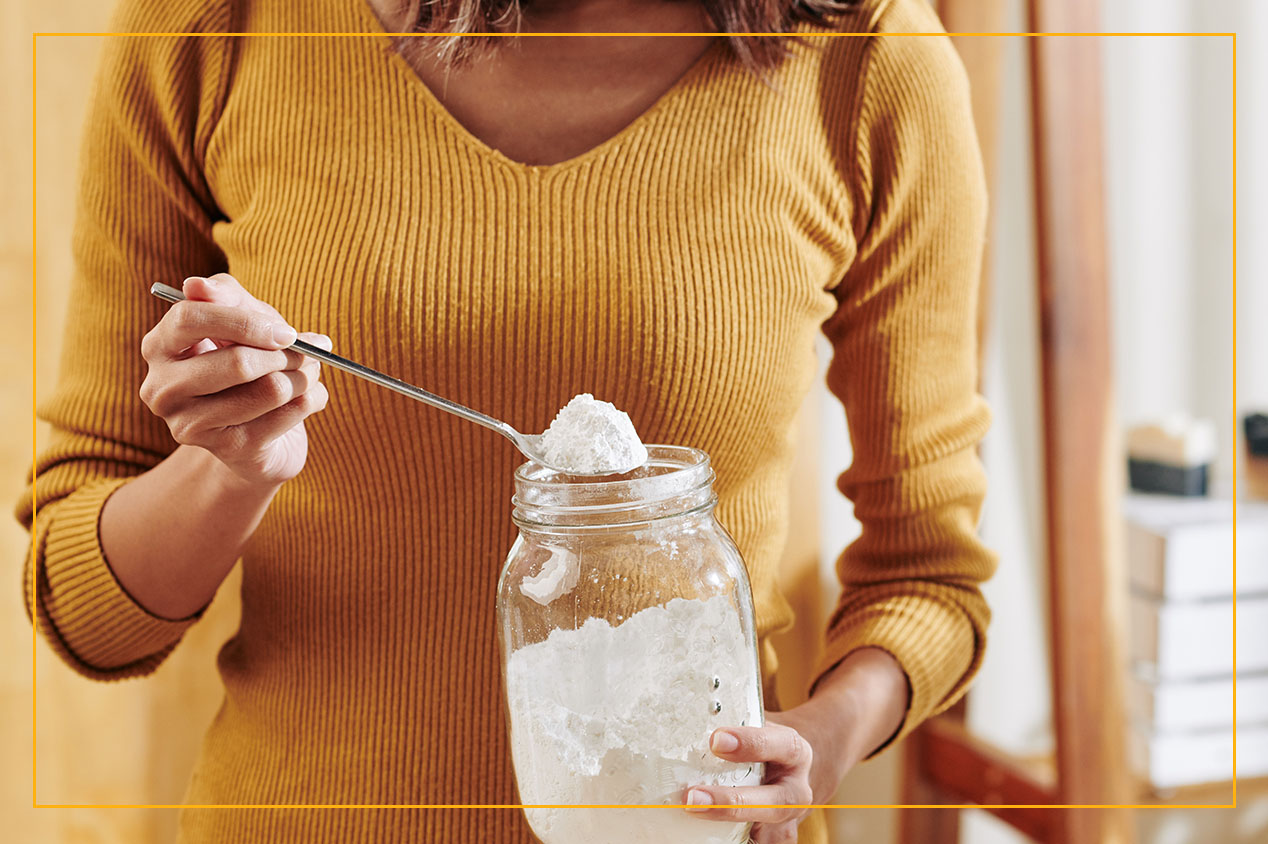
[(664, 222)]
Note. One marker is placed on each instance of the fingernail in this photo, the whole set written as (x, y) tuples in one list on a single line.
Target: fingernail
[(723, 742), (325, 342), (284, 335), (197, 278), (696, 797)]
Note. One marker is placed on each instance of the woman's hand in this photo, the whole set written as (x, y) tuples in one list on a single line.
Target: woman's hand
[(219, 378), (789, 759), (855, 709)]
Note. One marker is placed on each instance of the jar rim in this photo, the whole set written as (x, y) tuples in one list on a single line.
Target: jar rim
[(674, 480)]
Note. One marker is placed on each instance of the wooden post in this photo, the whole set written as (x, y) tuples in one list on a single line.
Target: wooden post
[(1079, 452)]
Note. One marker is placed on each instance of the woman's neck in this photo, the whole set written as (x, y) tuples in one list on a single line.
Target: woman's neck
[(544, 100), (579, 16)]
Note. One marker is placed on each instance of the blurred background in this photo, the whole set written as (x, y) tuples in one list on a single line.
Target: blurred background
[(1167, 143)]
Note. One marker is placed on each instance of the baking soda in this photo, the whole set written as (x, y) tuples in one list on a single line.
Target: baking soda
[(623, 715), (591, 437)]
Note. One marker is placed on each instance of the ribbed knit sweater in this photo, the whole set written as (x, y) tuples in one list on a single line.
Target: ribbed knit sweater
[(680, 269)]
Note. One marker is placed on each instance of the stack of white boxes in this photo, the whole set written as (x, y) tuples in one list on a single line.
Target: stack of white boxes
[(1181, 688)]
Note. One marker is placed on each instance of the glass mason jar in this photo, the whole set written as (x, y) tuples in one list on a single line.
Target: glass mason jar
[(626, 623)]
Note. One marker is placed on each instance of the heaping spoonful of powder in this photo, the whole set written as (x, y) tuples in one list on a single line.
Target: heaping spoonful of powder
[(592, 437), (588, 437)]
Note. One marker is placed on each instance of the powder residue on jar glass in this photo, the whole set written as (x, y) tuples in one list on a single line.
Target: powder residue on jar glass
[(592, 437)]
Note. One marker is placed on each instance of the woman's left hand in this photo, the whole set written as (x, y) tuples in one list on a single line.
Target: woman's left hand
[(807, 749), (789, 760)]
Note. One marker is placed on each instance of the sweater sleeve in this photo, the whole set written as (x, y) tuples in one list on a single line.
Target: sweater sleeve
[(144, 213), (904, 365)]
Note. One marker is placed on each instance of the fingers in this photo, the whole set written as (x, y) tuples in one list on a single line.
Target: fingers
[(778, 803), (229, 386), (772, 743), (234, 444), (187, 323), (773, 803), (224, 289), (319, 340), (259, 433), (217, 312), (222, 376), (226, 282), (169, 386), (220, 289), (781, 833), (245, 402), (219, 370)]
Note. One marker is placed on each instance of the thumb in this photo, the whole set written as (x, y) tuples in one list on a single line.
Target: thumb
[(199, 289)]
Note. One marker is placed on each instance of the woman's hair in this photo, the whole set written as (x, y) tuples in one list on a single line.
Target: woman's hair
[(732, 17)]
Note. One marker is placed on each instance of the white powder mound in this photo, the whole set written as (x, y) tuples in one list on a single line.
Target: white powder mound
[(592, 437), (623, 715)]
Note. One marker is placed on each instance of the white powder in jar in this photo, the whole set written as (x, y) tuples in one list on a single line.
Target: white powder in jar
[(592, 437), (623, 715)]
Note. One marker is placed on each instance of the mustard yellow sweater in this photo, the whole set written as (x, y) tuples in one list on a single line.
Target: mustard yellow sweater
[(681, 270)]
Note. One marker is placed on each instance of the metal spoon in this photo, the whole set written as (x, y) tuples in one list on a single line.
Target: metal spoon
[(528, 444)]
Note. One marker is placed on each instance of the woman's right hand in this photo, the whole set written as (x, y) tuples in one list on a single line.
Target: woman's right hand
[(219, 378)]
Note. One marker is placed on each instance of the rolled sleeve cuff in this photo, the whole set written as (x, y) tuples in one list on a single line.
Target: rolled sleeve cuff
[(87, 610), (933, 642)]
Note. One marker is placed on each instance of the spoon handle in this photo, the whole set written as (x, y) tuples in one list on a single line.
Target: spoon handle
[(171, 294)]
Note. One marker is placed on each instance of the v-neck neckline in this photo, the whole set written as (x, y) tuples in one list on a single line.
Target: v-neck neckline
[(698, 68)]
